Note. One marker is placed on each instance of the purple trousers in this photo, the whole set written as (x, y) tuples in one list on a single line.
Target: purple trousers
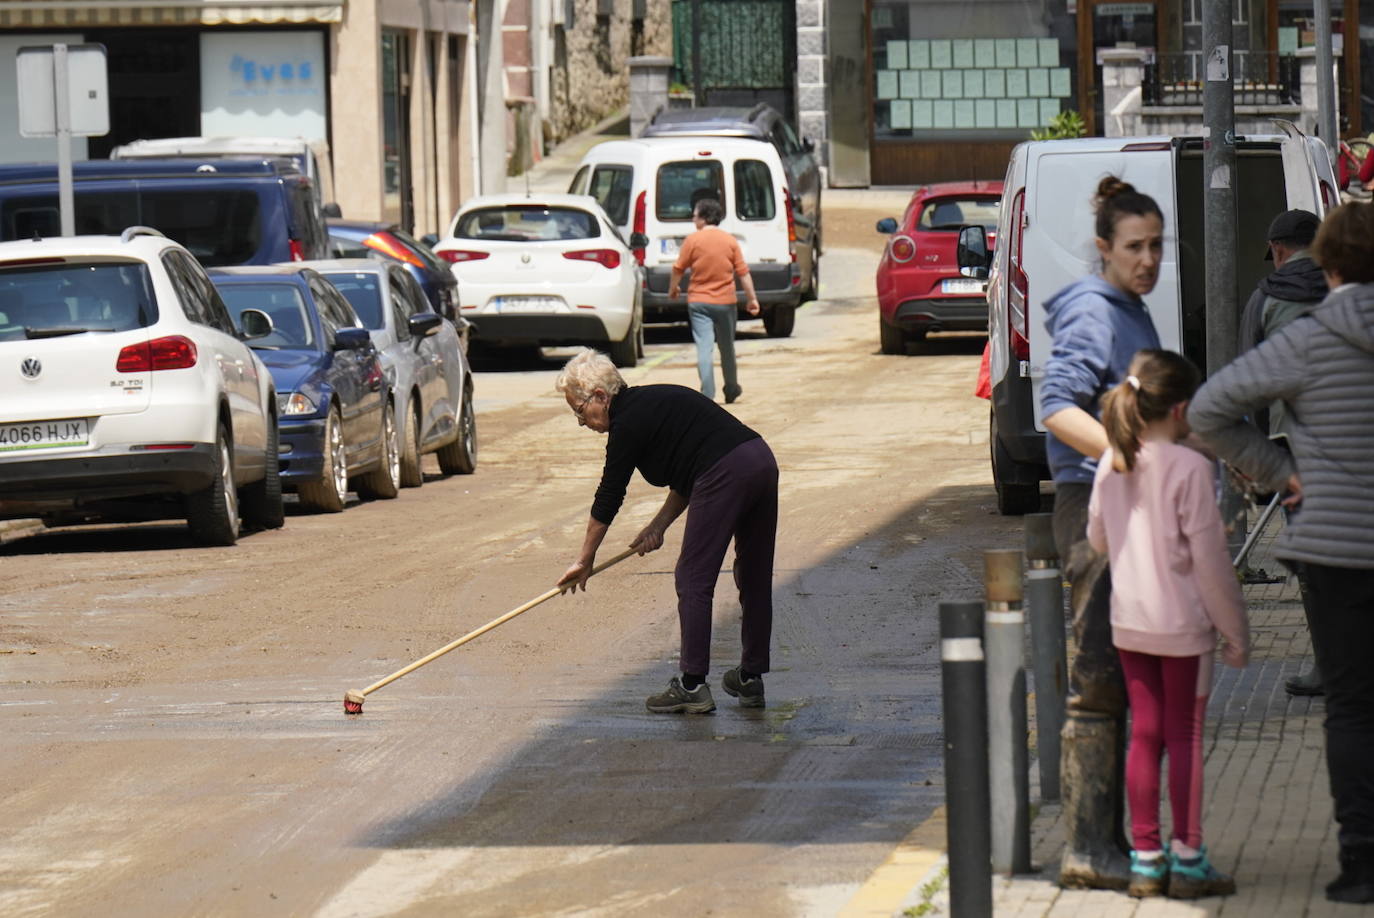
[(737, 497)]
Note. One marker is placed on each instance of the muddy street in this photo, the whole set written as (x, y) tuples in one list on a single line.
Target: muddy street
[(174, 736)]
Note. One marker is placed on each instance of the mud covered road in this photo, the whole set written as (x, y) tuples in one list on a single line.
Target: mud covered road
[(174, 742)]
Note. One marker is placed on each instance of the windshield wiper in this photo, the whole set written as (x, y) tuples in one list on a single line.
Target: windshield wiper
[(59, 332)]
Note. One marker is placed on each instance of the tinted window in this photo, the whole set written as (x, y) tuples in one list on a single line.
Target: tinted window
[(363, 293), (789, 139), (579, 182), (611, 187), (216, 312), (98, 297), (291, 326), (407, 289), (681, 185), (753, 190), (193, 303), (218, 226), (334, 307), (952, 213), (399, 312), (343, 247), (520, 223)]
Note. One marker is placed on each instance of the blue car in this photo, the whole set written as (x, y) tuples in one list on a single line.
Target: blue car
[(337, 413), (367, 239)]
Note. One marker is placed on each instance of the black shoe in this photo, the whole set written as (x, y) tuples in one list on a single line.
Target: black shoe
[(748, 691), (1309, 683), (1356, 882), (732, 393), (678, 700)]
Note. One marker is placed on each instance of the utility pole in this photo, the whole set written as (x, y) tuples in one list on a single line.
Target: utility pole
[(1326, 90)]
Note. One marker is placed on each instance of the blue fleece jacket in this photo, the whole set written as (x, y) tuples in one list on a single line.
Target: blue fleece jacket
[(1096, 330)]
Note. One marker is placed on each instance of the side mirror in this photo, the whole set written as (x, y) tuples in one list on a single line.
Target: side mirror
[(886, 225), (973, 255), (254, 323), (352, 339), (332, 210), (639, 241), (430, 239), (808, 145), (424, 324)]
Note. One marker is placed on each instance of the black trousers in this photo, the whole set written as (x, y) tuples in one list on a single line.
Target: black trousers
[(1095, 681), (1342, 623)]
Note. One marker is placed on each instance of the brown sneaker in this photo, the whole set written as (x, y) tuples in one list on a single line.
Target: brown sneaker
[(677, 700)]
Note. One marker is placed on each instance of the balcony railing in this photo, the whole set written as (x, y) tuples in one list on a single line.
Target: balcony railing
[(1261, 78)]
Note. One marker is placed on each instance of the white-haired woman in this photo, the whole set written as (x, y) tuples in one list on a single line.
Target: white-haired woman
[(715, 468)]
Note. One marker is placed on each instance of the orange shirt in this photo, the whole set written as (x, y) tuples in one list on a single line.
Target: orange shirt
[(714, 258)]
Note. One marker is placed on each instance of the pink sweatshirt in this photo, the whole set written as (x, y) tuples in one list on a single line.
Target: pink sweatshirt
[(1172, 579)]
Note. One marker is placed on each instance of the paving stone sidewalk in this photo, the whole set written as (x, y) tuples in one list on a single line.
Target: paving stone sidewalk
[(1267, 808)]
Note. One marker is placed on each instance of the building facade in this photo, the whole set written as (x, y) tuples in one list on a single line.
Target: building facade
[(386, 83)]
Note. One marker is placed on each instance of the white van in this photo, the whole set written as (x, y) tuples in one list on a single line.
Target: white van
[(1045, 242), (648, 187)]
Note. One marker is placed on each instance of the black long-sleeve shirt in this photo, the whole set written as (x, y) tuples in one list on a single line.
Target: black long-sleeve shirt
[(671, 434)]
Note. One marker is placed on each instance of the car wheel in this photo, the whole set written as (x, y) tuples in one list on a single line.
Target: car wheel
[(384, 481), (213, 513), (779, 321), (625, 352), (460, 456), (1013, 498), (262, 503), (813, 289), (891, 340), (327, 495), (411, 474)]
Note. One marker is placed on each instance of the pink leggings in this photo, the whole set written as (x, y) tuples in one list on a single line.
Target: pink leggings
[(1168, 697)]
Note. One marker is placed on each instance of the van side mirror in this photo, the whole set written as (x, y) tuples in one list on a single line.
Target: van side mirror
[(973, 256), (254, 323), (886, 225), (639, 241), (332, 210)]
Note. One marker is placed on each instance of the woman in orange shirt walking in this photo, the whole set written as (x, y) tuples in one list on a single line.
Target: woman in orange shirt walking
[(715, 260)]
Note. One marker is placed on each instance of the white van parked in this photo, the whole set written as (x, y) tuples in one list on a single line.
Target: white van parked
[(649, 186), (1045, 242)]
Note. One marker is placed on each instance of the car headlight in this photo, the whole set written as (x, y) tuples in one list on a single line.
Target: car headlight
[(294, 403)]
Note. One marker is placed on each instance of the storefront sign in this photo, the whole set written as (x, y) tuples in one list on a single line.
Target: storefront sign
[(263, 84)]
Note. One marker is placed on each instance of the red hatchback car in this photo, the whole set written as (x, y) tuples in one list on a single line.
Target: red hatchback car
[(920, 289)]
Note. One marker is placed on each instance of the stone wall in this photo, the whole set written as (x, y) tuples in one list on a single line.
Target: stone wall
[(812, 74)]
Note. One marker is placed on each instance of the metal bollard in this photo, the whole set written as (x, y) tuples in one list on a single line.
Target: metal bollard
[(1045, 608), (1004, 636), (967, 807)]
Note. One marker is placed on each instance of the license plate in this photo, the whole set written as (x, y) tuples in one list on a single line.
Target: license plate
[(669, 245), (963, 285), (44, 434), (509, 304)]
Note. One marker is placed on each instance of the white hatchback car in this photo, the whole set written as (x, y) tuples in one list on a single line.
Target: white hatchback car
[(126, 392), (549, 270)]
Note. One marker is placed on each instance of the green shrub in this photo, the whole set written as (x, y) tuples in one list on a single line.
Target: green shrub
[(1064, 125)]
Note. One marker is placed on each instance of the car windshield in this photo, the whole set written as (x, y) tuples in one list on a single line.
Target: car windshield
[(527, 223), (681, 185), (291, 325), (363, 291), (45, 300), (952, 213), (219, 226)]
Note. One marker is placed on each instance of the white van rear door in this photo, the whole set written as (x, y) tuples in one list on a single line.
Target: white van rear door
[(756, 209), (1309, 180), (1059, 245)]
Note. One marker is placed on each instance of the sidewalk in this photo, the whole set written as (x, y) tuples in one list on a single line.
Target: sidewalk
[(1267, 817)]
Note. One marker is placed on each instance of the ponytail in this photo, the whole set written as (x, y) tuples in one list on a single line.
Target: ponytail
[(1155, 382)]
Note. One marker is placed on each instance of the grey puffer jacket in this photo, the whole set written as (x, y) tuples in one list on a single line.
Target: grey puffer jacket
[(1322, 367)]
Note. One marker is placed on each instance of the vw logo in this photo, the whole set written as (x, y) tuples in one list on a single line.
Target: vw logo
[(525, 259), (31, 367)]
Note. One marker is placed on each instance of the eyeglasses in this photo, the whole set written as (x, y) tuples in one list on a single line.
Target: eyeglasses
[(580, 408)]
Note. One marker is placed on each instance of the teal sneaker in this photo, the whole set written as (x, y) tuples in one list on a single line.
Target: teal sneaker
[(678, 700), (1148, 878), (1196, 878)]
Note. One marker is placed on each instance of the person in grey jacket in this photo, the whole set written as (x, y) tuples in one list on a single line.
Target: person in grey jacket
[(1322, 367)]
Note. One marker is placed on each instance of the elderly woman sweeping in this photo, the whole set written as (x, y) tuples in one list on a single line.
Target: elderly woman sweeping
[(715, 468)]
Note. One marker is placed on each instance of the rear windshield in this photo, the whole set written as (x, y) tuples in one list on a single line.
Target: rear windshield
[(219, 226), (524, 223), (952, 213), (681, 185), (291, 326), (363, 291), (45, 300), (753, 190), (611, 188)]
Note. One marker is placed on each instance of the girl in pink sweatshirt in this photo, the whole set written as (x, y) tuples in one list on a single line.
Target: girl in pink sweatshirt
[(1153, 511)]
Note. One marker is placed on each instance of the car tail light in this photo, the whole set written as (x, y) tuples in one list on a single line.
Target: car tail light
[(297, 252), (902, 249), (457, 256), (170, 353), (609, 258), (791, 223), (641, 222), (391, 247), (1018, 294)]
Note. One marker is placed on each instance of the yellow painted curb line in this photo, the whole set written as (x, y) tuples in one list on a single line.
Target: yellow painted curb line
[(897, 876)]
